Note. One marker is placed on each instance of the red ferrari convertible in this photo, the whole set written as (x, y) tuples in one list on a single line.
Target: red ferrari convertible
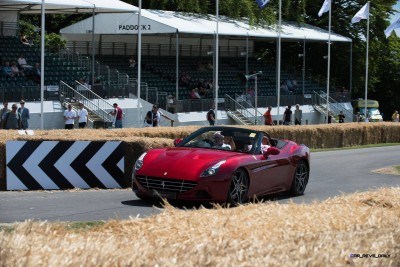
[(222, 164)]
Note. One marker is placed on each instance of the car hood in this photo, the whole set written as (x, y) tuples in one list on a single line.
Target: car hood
[(181, 163)]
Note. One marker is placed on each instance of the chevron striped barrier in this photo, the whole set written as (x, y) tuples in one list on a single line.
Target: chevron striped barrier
[(36, 165)]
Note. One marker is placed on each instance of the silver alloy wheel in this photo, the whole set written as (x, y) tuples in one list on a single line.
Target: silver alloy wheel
[(300, 179), (238, 188)]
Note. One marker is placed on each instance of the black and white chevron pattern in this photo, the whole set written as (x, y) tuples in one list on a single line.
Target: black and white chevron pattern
[(35, 165)]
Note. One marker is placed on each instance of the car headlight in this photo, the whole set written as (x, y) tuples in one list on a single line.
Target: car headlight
[(139, 161), (213, 169)]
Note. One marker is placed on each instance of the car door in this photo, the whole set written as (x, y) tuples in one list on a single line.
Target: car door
[(267, 175)]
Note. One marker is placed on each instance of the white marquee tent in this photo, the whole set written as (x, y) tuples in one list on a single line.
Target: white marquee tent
[(64, 7), (159, 21)]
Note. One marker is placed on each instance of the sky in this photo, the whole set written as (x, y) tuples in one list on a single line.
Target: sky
[(396, 15), (397, 7)]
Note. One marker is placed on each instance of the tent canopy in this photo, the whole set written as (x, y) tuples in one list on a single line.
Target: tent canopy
[(160, 21), (64, 7)]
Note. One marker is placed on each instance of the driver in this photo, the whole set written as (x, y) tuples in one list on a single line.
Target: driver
[(219, 142)]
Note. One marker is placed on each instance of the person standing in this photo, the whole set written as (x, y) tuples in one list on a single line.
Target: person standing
[(329, 117), (298, 115), (82, 116), (24, 115), (3, 113), (117, 113), (395, 116), (12, 119), (69, 117), (153, 117), (287, 116), (268, 117), (341, 117), (211, 116)]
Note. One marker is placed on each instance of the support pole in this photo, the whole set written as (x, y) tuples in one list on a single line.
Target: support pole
[(42, 48), (139, 40), (177, 66), (278, 79)]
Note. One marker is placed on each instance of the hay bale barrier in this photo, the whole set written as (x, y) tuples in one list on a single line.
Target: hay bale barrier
[(139, 140), (355, 230)]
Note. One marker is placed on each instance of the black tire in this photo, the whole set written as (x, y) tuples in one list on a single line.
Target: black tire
[(239, 188), (300, 179)]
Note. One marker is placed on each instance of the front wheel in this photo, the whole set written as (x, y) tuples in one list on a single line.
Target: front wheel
[(239, 188), (300, 179)]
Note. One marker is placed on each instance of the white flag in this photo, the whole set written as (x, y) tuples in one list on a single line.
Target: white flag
[(363, 13), (325, 7), (262, 3), (394, 25)]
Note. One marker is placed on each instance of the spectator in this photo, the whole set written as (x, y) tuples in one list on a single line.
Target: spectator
[(82, 116), (69, 117), (287, 116), (7, 71), (268, 117), (211, 116), (358, 117), (295, 85), (284, 88), (3, 113), (36, 72), (24, 40), (23, 64), (24, 115), (118, 115), (341, 117), (298, 115), (194, 94), (289, 84), (153, 117), (171, 103), (15, 70), (12, 119), (251, 95), (395, 116), (185, 80), (329, 117), (132, 62)]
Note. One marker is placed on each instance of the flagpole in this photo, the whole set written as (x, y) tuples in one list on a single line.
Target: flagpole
[(216, 63), (366, 67), (42, 46), (329, 62), (278, 78), (139, 63)]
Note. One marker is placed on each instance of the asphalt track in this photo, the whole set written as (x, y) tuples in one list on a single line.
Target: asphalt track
[(332, 173)]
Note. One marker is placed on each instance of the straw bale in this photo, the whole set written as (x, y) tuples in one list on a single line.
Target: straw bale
[(140, 140), (264, 234)]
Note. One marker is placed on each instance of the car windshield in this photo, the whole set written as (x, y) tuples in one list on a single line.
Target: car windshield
[(220, 138), (371, 111)]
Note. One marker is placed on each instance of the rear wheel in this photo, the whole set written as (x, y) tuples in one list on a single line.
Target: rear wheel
[(239, 188), (300, 179)]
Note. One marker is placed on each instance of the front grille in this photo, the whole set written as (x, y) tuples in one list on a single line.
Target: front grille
[(170, 185)]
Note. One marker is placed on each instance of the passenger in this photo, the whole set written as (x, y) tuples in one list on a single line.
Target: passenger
[(265, 144)]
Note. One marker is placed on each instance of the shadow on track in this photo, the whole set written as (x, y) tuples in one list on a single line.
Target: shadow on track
[(191, 205)]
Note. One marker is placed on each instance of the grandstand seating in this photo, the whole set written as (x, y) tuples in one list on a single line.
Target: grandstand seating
[(23, 87), (160, 72), (157, 71)]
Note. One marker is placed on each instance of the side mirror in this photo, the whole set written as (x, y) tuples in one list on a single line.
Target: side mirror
[(177, 141), (271, 151)]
